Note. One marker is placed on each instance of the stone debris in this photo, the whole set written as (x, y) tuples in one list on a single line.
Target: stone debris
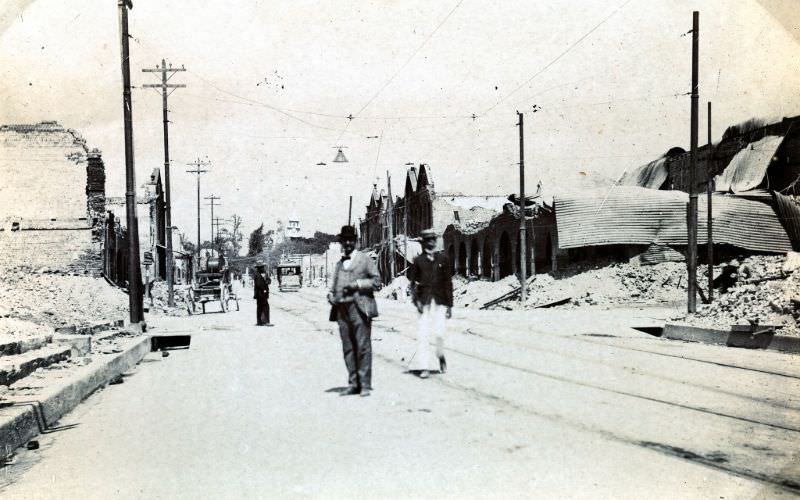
[(765, 294), (57, 299), (160, 304)]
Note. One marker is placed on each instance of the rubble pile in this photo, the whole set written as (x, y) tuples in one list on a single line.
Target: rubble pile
[(397, 290), (160, 299), (760, 299), (16, 330), (54, 298)]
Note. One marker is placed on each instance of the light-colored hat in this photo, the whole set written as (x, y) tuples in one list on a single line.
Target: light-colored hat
[(260, 263), (426, 234)]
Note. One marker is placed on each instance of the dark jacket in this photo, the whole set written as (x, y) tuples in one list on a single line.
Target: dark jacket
[(261, 286), (431, 280)]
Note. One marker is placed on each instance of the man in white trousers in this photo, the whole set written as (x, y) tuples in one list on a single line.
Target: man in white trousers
[(432, 293)]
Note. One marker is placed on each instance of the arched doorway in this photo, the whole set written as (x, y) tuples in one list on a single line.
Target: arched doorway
[(462, 259), (505, 262), (474, 259), (486, 259)]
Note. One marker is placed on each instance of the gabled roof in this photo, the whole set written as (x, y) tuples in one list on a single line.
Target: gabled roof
[(424, 178), (411, 180)]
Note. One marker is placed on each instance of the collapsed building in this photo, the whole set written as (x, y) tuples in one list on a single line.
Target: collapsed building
[(52, 199), (753, 174)]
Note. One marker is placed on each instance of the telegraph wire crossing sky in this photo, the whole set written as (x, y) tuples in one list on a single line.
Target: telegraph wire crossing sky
[(272, 87)]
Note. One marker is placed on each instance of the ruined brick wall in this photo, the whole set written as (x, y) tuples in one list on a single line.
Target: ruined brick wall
[(52, 192)]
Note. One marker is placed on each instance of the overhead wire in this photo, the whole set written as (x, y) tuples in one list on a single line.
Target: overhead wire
[(557, 58)]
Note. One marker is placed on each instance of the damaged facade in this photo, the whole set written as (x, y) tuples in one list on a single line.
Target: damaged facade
[(151, 213), (754, 172), (52, 199)]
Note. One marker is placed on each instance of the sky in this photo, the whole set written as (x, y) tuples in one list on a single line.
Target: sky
[(270, 86)]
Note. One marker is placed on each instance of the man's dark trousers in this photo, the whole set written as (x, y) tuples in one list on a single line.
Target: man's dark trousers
[(355, 328), (262, 309)]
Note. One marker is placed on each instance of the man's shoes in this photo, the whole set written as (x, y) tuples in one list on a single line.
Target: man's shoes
[(442, 364), (424, 374), (351, 391), (268, 324), (365, 392)]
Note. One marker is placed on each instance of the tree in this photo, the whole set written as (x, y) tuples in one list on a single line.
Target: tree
[(256, 243)]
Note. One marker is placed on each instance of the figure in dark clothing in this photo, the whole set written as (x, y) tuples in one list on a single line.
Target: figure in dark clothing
[(261, 283), (432, 292)]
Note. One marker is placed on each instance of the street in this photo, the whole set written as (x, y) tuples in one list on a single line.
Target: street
[(546, 405)]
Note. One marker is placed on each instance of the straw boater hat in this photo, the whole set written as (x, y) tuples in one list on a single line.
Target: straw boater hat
[(348, 233), (260, 263)]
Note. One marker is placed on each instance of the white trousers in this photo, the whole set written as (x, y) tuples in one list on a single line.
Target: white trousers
[(432, 323)]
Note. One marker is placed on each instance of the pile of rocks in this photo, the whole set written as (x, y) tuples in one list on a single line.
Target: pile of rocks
[(767, 297), (160, 302), (54, 298)]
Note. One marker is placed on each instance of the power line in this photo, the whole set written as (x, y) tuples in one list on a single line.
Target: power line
[(557, 58), (414, 54)]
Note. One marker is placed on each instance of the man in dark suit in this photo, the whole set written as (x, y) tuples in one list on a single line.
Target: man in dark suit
[(432, 293), (353, 306), (261, 283)]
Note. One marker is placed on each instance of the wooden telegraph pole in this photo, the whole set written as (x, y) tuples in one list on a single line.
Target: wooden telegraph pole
[(212, 202), (390, 210), (164, 86), (522, 230), (134, 268), (350, 211), (198, 169), (691, 260), (709, 192)]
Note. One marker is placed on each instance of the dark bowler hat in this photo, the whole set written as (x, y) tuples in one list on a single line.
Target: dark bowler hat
[(428, 234), (348, 233)]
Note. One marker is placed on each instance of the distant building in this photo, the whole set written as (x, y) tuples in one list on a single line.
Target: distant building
[(420, 207), (151, 217)]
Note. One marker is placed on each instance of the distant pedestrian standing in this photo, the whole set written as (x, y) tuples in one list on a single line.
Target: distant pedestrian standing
[(432, 293), (261, 283), (353, 306)]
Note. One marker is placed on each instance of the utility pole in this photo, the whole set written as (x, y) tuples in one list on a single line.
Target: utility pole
[(168, 206), (350, 211), (212, 203), (134, 268), (691, 258), (198, 170), (390, 208), (219, 222), (522, 230), (709, 192)]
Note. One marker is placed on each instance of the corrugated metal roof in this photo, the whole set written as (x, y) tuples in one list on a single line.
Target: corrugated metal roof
[(653, 175), (749, 166), (639, 216)]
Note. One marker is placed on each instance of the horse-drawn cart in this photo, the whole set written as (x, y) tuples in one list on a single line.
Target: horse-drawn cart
[(213, 285)]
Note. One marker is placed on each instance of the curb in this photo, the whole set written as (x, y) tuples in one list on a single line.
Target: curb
[(21, 421), (731, 338)]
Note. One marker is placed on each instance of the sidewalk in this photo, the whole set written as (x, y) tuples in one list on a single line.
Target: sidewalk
[(33, 404)]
